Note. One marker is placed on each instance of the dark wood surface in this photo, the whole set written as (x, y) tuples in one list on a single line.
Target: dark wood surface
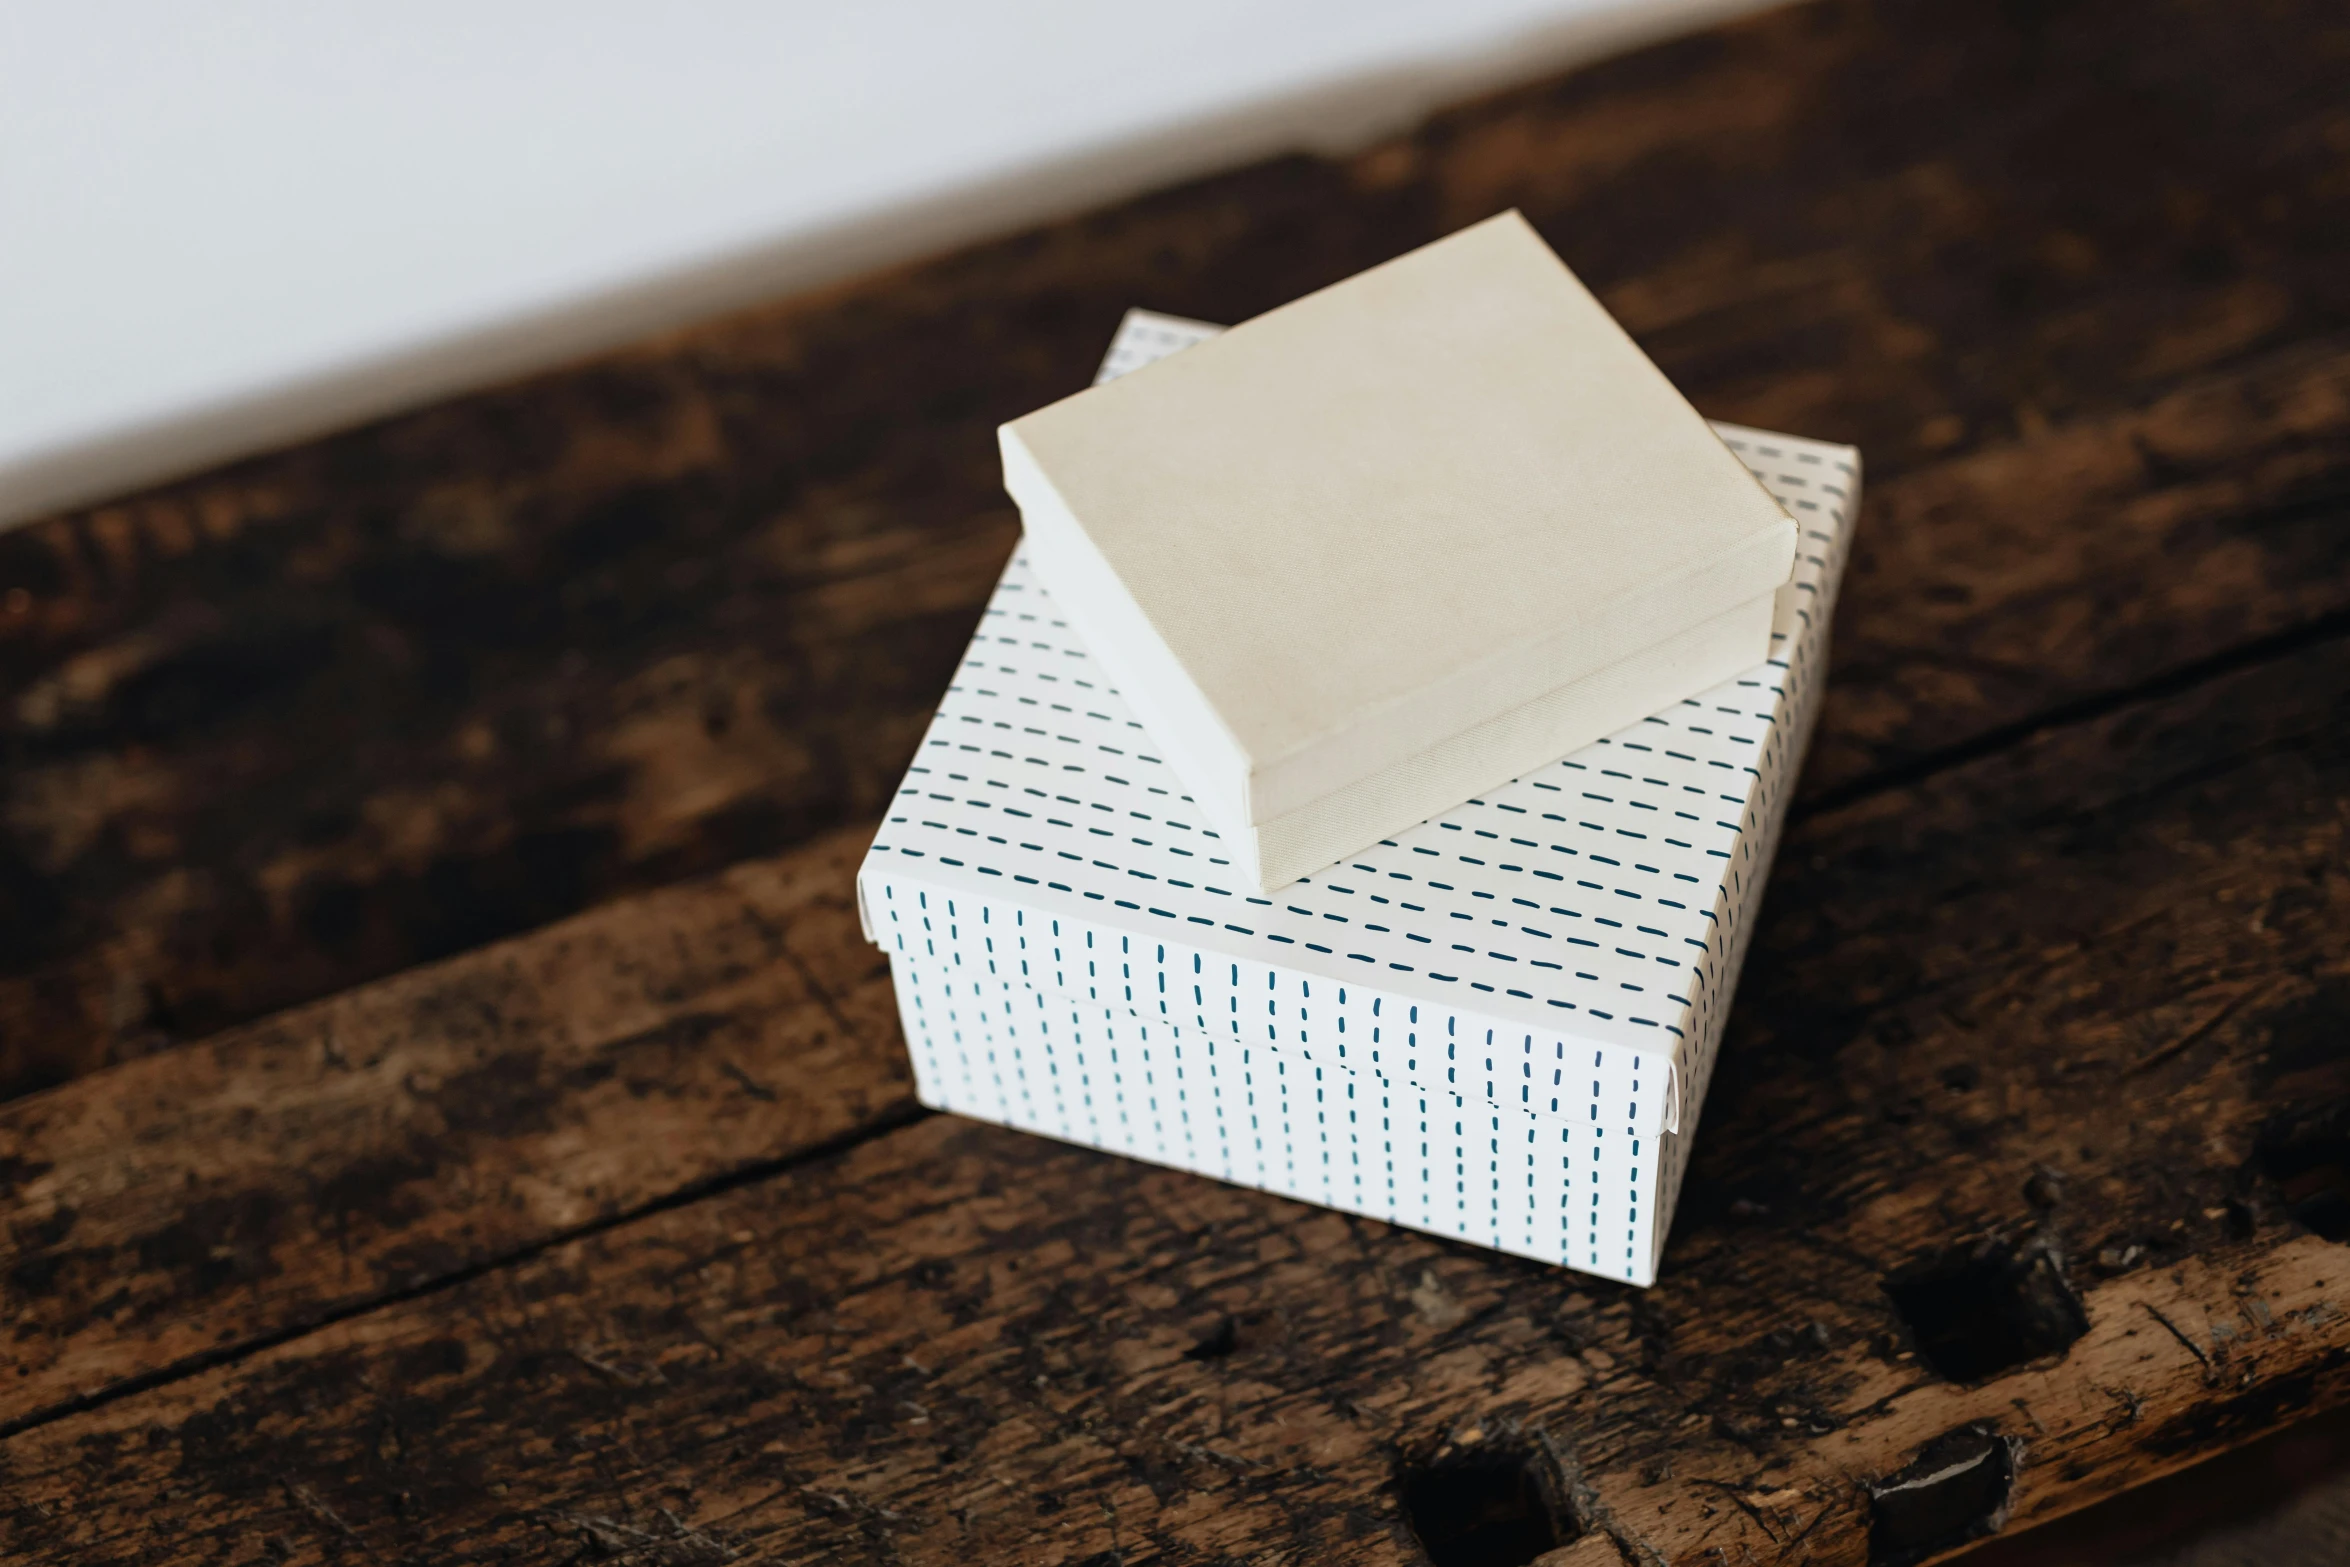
[(456, 1118)]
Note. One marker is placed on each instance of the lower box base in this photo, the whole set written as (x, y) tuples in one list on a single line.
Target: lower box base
[(1532, 1185)]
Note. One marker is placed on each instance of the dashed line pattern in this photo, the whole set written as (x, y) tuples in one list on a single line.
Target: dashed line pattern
[(1053, 904)]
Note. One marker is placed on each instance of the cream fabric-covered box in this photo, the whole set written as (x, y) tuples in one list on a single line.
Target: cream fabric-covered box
[(1396, 542), (1497, 1025)]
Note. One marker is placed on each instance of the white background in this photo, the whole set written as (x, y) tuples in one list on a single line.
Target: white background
[(228, 225)]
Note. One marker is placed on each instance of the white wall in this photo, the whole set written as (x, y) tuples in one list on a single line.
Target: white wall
[(228, 225)]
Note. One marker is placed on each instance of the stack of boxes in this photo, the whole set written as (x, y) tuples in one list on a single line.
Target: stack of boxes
[(1363, 779)]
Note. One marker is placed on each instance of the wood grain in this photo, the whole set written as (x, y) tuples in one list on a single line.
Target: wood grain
[(332, 713), (188, 1205), (2057, 995), (615, 1240), (2005, 586), (270, 1183)]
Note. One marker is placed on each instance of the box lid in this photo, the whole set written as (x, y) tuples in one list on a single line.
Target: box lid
[(1341, 533)]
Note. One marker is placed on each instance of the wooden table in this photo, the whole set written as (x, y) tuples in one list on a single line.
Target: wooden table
[(457, 1119)]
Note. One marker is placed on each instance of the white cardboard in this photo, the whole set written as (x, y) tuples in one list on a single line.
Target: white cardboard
[(1497, 1025)]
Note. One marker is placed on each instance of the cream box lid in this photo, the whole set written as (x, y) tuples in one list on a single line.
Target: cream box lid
[(1315, 546)]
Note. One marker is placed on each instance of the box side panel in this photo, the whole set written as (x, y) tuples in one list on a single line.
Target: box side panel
[(1552, 1188), (1213, 766), (1821, 486), (1267, 1006)]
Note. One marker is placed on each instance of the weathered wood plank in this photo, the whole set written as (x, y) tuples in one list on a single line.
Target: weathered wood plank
[(2046, 1005), (2075, 563), (228, 1223), (186, 1206), (332, 713)]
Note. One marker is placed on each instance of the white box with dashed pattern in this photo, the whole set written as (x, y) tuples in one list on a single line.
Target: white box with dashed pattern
[(1496, 1026)]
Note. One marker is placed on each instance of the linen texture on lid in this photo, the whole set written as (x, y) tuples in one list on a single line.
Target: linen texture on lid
[(1320, 546)]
